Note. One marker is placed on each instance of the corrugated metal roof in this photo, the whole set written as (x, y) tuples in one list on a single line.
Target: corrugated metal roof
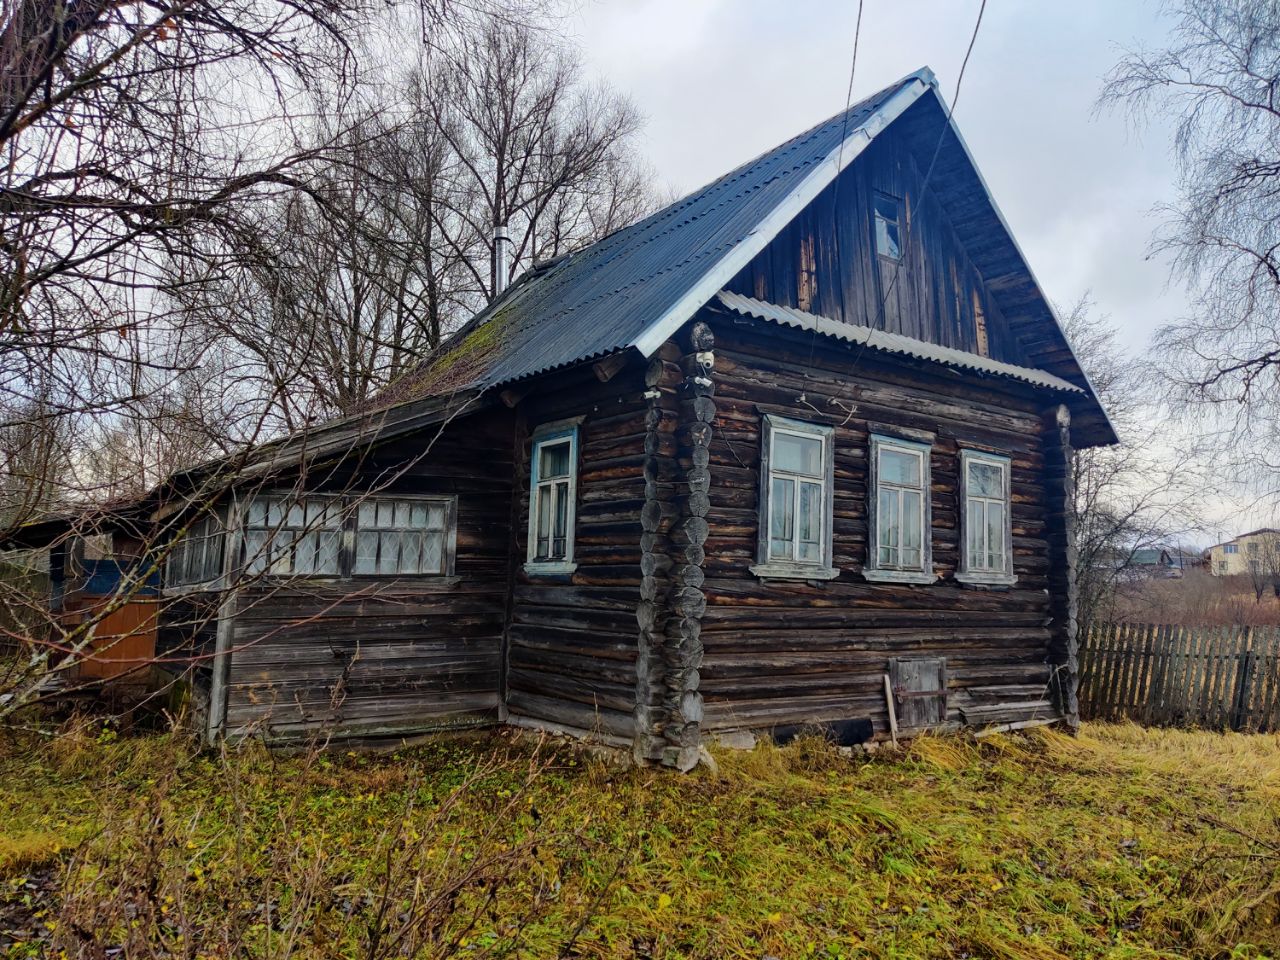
[(891, 342), (607, 297)]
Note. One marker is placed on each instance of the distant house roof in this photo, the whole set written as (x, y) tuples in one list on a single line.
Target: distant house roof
[(1148, 556), (636, 287)]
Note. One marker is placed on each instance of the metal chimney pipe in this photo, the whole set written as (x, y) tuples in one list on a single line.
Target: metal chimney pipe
[(501, 259)]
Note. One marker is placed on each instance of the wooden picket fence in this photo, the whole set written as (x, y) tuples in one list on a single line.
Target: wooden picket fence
[(1219, 678)]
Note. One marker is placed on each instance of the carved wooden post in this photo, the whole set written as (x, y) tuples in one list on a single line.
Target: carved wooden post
[(662, 382), (682, 655), (1060, 533)]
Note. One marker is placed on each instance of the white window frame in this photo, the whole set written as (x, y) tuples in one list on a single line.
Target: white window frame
[(872, 570), (967, 573), (549, 434), (783, 568)]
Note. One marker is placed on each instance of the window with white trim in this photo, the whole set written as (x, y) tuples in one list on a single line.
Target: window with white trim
[(900, 513), (553, 488), (797, 465), (196, 557), (986, 526)]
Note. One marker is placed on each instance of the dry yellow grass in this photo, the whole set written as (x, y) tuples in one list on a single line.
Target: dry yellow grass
[(1120, 843)]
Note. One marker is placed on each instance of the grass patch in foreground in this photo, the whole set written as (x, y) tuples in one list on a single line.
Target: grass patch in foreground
[(1119, 843)]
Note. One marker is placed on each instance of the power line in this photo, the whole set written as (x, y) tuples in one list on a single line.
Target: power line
[(924, 186)]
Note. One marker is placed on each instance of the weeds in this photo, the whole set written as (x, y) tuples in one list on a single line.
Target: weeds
[(1122, 842)]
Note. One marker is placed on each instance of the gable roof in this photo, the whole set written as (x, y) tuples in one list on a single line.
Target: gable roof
[(636, 287)]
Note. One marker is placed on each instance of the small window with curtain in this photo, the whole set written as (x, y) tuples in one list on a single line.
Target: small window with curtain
[(797, 466), (552, 498), (986, 528), (899, 547), (888, 230)]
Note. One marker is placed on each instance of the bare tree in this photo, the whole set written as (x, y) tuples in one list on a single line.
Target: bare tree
[(330, 294), (1217, 80), (1262, 559), (1141, 493)]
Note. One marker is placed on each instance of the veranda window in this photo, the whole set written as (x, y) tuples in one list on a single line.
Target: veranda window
[(899, 511), (197, 556), (293, 537), (986, 525), (797, 464), (401, 536)]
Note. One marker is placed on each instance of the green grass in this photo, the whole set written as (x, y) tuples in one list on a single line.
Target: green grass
[(1119, 843)]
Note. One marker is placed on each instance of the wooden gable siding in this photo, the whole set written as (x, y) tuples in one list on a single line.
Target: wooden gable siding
[(369, 656), (825, 260), (782, 652), (572, 639)]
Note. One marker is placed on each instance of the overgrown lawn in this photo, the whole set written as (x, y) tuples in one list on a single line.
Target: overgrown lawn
[(1119, 843)]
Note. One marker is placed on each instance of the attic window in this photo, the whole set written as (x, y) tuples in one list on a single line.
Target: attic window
[(888, 238)]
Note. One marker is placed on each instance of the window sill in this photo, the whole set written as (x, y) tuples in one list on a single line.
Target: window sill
[(781, 570), (535, 568), (986, 579), (900, 576)]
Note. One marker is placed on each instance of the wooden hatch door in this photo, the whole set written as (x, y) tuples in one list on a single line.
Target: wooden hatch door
[(919, 691)]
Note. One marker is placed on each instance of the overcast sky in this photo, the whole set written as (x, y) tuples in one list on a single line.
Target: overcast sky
[(723, 80)]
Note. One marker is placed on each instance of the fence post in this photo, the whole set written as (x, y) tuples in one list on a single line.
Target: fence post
[(1244, 678)]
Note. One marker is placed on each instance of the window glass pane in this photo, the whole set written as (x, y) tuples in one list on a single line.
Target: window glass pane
[(386, 514), (366, 551), (975, 527), (899, 467), (255, 545), (911, 519), (553, 460), (388, 552), (402, 514), (986, 480), (888, 519), (257, 512), (327, 554), (810, 512), (886, 207), (410, 551), (543, 548), (887, 242), (560, 500), (435, 516), (294, 518), (366, 516), (781, 517), (797, 454), (418, 516), (433, 553), (995, 536)]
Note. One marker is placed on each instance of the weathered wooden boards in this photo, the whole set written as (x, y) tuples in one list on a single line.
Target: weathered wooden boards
[(782, 652), (1219, 678)]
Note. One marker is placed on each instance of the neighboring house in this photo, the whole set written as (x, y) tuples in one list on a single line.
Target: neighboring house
[(725, 470), (1233, 557), (1156, 563)]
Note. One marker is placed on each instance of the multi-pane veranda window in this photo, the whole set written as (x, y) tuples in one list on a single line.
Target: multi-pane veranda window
[(292, 536), (401, 536), (899, 511), (795, 507), (197, 556), (553, 491)]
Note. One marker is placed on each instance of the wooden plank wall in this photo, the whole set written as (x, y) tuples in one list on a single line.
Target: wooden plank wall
[(780, 652), (573, 640), (825, 262), (371, 656), (1220, 678)]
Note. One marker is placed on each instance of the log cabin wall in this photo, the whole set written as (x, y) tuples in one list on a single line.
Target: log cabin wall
[(825, 260), (784, 652), (573, 639), (377, 656)]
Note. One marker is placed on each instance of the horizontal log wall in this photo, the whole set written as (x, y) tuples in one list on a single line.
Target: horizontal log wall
[(780, 652), (573, 639), (371, 656)]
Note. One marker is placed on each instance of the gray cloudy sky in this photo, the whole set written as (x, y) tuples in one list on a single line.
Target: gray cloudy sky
[(722, 80)]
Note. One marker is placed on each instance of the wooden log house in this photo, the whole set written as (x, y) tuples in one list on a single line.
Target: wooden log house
[(724, 471)]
